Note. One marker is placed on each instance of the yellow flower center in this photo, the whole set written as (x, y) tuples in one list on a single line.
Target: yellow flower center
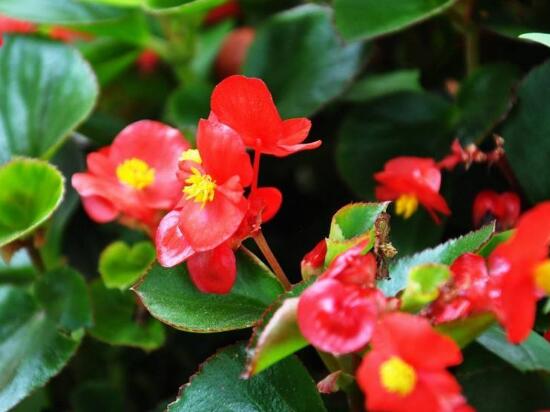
[(542, 276), (192, 155), (135, 173), (397, 376), (406, 205), (201, 188)]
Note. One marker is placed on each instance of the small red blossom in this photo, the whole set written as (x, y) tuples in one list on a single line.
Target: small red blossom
[(135, 177), (11, 25), (471, 154), (504, 207), (313, 262), (245, 104), (147, 61), (228, 9), (406, 368), (66, 35), (410, 181), (547, 335), (233, 52), (338, 312)]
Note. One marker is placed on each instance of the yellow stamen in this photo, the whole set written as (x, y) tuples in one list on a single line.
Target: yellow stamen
[(135, 173), (397, 376), (542, 276), (192, 155), (406, 205), (201, 188)]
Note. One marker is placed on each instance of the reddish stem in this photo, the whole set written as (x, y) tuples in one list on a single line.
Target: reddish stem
[(271, 259), (256, 170)]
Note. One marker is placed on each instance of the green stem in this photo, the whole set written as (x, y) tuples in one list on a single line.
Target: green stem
[(471, 38), (271, 259)]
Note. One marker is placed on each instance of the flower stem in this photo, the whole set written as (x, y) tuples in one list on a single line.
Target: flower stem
[(36, 258), (256, 170), (271, 259)]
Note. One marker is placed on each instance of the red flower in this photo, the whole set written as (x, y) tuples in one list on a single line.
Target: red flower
[(314, 261), (337, 313), (232, 54), (406, 368), (245, 104), (504, 207), (228, 9), (147, 61), (10, 25), (409, 181), (135, 177), (68, 35)]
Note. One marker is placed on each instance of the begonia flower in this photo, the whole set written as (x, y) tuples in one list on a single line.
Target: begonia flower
[(134, 178), (406, 368), (410, 181), (504, 207), (245, 104)]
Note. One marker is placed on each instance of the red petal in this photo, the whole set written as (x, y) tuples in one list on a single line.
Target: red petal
[(172, 247), (337, 318), (484, 204), (267, 201), (214, 271), (284, 150), (99, 209), (245, 104), (295, 131), (223, 153)]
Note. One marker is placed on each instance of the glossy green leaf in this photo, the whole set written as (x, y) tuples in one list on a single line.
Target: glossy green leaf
[(188, 6), (445, 253), (317, 66), (483, 100), (31, 191), (382, 84), (117, 320), (171, 297), (277, 334), (542, 38), (41, 80), (121, 266), (286, 387), (59, 11), (355, 219), (465, 331), (371, 18), (496, 240), (526, 134), (531, 355), (423, 285), (39, 333)]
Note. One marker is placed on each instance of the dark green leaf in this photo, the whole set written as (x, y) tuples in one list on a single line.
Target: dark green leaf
[(531, 355), (117, 322), (465, 331), (377, 85), (47, 90), (317, 66), (97, 396), (218, 387), (526, 134), (171, 297), (370, 18), (31, 191), (121, 266), (445, 253)]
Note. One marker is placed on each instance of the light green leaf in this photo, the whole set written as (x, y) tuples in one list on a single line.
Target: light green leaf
[(423, 285), (171, 297), (121, 266), (286, 387), (445, 253), (355, 220), (542, 38), (47, 90), (371, 18), (185, 6), (31, 191), (382, 84)]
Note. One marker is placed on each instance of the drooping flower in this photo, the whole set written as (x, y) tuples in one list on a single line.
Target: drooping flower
[(338, 312), (134, 178), (233, 52), (504, 207), (410, 181), (406, 368), (245, 104)]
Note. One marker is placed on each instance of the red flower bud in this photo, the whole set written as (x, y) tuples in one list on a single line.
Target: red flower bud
[(504, 207), (313, 262)]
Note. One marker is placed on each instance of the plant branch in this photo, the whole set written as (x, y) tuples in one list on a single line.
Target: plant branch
[(35, 256), (271, 259)]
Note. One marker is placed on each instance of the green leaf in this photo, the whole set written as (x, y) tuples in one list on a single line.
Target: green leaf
[(371, 18), (93, 396), (496, 240), (171, 297), (31, 191), (39, 333), (465, 331), (59, 11), (317, 66), (187, 6), (121, 266), (526, 134), (18, 270), (277, 334), (445, 253), (209, 42), (531, 355), (423, 285), (377, 85), (286, 387), (355, 219), (116, 322), (483, 100), (48, 89), (542, 38)]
